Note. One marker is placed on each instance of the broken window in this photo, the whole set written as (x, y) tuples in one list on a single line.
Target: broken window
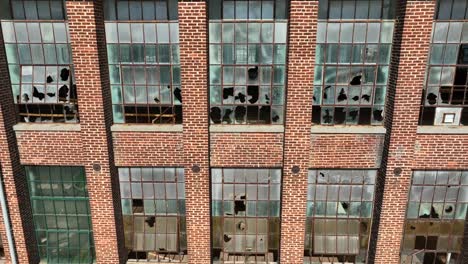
[(354, 43), (39, 62), (339, 215), (245, 207), (153, 208), (445, 96), (435, 217), (144, 67), (61, 214), (247, 54)]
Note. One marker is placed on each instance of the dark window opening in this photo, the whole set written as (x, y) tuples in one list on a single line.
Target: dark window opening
[(435, 217), (445, 97)]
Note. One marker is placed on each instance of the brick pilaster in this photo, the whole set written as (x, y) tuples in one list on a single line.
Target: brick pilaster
[(14, 179), (301, 52), (194, 67), (413, 32), (87, 37)]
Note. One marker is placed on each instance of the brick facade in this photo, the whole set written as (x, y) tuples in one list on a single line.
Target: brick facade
[(194, 65), (246, 150), (12, 174), (197, 150), (404, 99), (301, 51), (87, 35), (339, 151), (148, 149)]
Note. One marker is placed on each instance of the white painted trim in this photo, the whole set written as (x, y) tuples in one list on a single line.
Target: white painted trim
[(47, 127), (146, 128), (246, 129), (348, 129), (462, 130)]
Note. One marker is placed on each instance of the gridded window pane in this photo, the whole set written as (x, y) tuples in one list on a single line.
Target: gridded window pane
[(144, 66), (339, 215), (245, 215), (351, 72), (41, 71), (445, 97), (153, 208), (357, 9), (36, 9), (140, 10), (247, 72), (61, 213), (248, 9), (451, 10), (435, 217)]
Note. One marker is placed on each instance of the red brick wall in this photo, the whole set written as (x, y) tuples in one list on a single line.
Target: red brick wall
[(50, 148), (444, 152), (86, 25), (194, 65), (301, 52), (148, 149), (416, 32), (358, 151), (246, 149), (14, 180)]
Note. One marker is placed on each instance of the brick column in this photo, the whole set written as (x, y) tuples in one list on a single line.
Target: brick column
[(404, 98), (301, 54), (14, 179), (194, 67), (87, 37)]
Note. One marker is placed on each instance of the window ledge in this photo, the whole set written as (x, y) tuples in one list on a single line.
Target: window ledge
[(348, 130), (247, 129), (47, 127), (146, 128), (443, 130)]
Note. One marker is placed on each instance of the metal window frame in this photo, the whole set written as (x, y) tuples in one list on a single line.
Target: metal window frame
[(181, 252), (308, 252), (46, 250), (280, 116), (430, 220), (320, 107), (428, 109), (71, 100), (167, 111)]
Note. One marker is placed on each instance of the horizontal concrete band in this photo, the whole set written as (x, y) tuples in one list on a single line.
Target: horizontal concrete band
[(348, 130), (247, 129), (46, 127), (146, 128), (463, 130)]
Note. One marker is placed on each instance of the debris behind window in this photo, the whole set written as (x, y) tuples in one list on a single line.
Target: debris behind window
[(40, 69)]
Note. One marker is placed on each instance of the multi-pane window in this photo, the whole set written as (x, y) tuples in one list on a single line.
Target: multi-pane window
[(445, 97), (435, 217), (143, 54), (452, 9), (61, 213), (39, 62), (245, 215), (339, 215), (153, 208), (247, 54), (354, 43)]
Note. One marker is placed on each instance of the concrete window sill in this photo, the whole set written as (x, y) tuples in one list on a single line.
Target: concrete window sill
[(246, 129), (46, 127), (461, 130), (348, 130), (145, 128)]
